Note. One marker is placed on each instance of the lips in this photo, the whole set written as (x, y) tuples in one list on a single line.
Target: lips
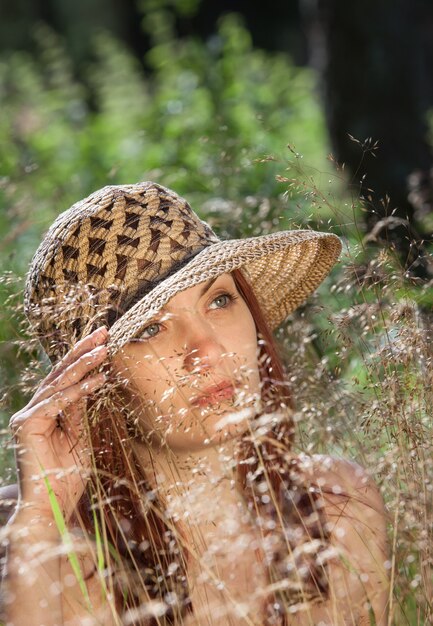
[(215, 394)]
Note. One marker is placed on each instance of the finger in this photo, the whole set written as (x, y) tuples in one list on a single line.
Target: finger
[(61, 400), (95, 339), (41, 417), (72, 374)]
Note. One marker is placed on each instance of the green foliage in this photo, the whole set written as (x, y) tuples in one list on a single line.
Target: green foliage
[(198, 122)]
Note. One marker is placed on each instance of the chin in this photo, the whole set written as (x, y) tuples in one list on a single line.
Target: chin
[(197, 441), (210, 426)]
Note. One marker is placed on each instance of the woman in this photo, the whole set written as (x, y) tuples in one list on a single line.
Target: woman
[(156, 479)]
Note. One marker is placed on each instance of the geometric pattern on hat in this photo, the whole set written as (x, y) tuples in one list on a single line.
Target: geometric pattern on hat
[(118, 256)]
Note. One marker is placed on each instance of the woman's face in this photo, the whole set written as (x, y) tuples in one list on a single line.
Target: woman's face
[(193, 371)]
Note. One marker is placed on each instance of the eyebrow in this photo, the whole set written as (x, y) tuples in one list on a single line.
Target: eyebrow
[(208, 285)]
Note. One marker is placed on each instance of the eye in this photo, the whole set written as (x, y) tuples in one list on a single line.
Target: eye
[(222, 301), (151, 330)]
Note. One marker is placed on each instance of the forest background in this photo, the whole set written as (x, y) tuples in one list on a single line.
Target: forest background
[(309, 113)]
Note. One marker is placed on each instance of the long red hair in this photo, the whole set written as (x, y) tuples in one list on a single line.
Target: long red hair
[(142, 544)]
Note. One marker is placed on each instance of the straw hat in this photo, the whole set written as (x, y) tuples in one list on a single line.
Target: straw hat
[(119, 255)]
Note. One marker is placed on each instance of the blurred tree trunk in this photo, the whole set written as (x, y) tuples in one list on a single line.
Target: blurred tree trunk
[(375, 58)]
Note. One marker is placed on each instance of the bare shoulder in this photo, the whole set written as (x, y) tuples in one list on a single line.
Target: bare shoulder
[(348, 480), (356, 518), (352, 503)]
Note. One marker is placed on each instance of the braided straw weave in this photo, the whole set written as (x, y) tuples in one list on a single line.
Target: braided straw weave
[(119, 255)]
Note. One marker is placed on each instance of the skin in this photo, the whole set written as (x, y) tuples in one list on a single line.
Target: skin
[(205, 336)]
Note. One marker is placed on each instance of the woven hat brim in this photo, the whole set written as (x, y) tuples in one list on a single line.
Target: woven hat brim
[(282, 268)]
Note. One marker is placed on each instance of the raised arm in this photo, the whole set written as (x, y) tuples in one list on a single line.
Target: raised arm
[(51, 461)]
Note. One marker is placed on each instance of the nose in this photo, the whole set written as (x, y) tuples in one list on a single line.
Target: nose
[(202, 348)]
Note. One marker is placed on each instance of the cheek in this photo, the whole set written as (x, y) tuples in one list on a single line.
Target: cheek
[(246, 337), (157, 381), (137, 376), (149, 380), (143, 369)]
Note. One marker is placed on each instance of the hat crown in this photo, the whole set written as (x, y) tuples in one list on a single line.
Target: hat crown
[(117, 242)]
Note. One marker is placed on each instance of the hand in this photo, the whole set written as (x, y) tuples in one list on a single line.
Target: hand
[(49, 432)]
